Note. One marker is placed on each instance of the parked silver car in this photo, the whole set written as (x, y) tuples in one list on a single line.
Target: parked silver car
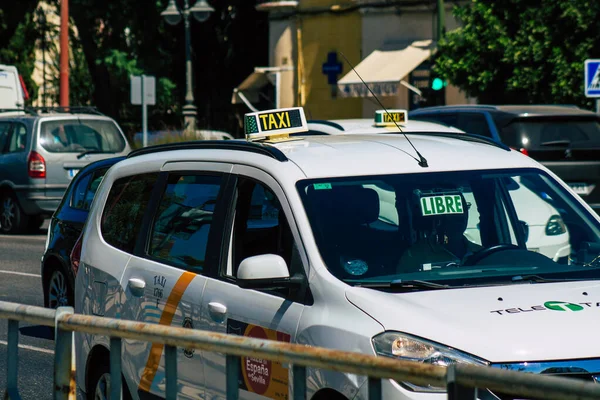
[(40, 153)]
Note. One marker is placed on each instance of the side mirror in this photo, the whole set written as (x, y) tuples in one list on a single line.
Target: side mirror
[(266, 271)]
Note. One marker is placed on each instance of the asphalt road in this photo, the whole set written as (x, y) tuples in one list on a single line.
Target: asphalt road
[(20, 283)]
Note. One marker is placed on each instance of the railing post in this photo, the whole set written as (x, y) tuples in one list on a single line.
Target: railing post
[(115, 368), (455, 390), (375, 389), (64, 368), (171, 371), (12, 368), (232, 369), (299, 373)]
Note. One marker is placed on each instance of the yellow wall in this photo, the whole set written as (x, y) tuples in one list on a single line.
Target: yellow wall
[(318, 35)]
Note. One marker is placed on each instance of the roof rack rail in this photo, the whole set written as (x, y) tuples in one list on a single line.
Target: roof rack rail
[(23, 110), (252, 147), (468, 137), (67, 109), (325, 122)]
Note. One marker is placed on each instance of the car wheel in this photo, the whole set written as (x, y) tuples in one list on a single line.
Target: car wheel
[(100, 384), (100, 389), (58, 290), (12, 219)]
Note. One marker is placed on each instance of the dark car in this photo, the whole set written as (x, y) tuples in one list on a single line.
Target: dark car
[(565, 139), (58, 277)]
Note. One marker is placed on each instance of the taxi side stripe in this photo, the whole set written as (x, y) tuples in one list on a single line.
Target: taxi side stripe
[(165, 319)]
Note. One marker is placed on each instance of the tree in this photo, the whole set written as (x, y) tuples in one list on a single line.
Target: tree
[(124, 37), (521, 51), (18, 37)]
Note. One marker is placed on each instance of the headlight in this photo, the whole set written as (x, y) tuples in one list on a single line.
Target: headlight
[(409, 348), (555, 226)]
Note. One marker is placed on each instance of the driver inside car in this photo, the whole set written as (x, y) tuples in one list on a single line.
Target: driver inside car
[(437, 240)]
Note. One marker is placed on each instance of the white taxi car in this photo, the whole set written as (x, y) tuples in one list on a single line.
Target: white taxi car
[(384, 121), (285, 238)]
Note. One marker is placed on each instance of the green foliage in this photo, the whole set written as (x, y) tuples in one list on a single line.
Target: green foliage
[(521, 51), (20, 49), (113, 39)]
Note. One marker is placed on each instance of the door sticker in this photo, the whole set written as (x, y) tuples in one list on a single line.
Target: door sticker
[(264, 377)]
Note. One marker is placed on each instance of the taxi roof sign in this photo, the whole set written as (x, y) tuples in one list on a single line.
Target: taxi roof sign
[(390, 117), (274, 124)]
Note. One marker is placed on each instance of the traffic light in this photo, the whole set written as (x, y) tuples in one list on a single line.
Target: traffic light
[(436, 95), (437, 84)]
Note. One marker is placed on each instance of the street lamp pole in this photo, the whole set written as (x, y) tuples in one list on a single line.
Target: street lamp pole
[(189, 109), (172, 14)]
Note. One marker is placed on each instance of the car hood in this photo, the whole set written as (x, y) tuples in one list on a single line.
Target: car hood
[(519, 322)]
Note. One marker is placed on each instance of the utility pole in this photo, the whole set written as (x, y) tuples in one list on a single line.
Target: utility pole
[(64, 53)]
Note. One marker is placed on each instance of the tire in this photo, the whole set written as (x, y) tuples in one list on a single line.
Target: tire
[(58, 292), (99, 383), (12, 218)]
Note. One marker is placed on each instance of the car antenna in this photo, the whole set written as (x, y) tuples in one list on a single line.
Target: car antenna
[(421, 160)]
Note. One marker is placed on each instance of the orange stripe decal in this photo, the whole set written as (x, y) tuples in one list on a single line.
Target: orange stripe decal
[(165, 319)]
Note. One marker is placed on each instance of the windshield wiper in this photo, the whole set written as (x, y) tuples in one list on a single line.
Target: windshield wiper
[(539, 279), (556, 143), (401, 284), (85, 153)]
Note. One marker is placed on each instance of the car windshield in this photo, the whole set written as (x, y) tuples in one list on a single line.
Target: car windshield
[(79, 135), (456, 228)]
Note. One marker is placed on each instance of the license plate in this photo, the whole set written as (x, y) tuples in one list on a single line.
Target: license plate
[(582, 189), (72, 173)]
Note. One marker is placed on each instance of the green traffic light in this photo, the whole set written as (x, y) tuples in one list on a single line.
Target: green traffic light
[(437, 84)]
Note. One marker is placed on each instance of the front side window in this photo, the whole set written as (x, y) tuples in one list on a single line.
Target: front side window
[(466, 227), (124, 210), (79, 135), (4, 135), (183, 223), (86, 189), (260, 226), (475, 123)]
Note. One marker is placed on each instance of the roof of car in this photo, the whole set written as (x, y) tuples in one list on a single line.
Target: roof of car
[(59, 112), (520, 110), (341, 155), (349, 155), (366, 125)]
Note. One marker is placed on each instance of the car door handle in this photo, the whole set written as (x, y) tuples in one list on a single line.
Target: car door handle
[(217, 311), (137, 286)]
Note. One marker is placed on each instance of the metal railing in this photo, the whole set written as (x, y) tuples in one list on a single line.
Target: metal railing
[(461, 380)]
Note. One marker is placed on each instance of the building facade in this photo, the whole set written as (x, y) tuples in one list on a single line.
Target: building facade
[(315, 44)]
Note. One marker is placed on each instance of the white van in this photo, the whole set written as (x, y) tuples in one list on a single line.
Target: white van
[(12, 94)]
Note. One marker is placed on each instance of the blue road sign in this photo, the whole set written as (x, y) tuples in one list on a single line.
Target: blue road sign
[(592, 78)]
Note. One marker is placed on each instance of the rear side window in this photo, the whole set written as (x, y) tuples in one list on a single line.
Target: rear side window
[(475, 123), (18, 138), (183, 223), (75, 136), (538, 133), (124, 210)]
